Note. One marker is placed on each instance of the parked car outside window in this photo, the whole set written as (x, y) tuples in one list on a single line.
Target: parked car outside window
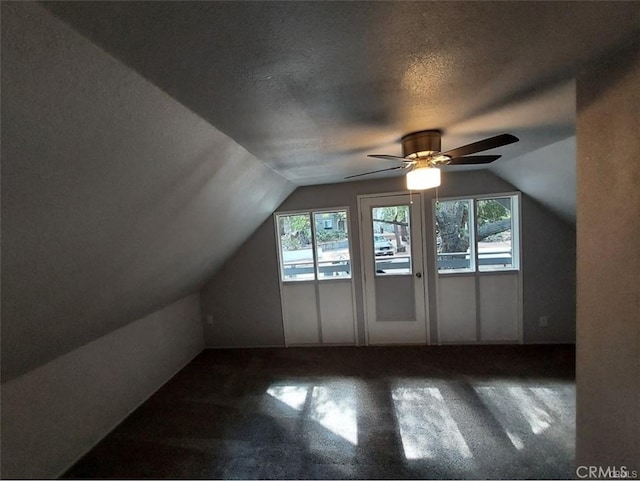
[(382, 246)]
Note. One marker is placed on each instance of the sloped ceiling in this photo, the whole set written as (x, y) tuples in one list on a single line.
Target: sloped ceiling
[(116, 199), (310, 87), (143, 141), (548, 175)]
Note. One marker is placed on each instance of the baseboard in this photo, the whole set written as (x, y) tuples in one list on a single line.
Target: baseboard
[(480, 343), (276, 346), (470, 343), (549, 342), (127, 415), (248, 346)]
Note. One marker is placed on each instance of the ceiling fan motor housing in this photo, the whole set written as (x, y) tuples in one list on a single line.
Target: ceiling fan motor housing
[(427, 141)]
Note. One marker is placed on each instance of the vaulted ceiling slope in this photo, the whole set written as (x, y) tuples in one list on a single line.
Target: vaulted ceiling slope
[(143, 141), (116, 199), (311, 87), (530, 173)]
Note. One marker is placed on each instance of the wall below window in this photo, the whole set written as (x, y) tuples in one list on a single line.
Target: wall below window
[(54, 414), (243, 299)]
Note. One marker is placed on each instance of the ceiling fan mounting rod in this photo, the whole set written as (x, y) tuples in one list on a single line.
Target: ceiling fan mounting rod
[(424, 141)]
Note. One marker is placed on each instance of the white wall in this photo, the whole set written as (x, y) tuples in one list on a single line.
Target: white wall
[(54, 414), (608, 254), (243, 297)]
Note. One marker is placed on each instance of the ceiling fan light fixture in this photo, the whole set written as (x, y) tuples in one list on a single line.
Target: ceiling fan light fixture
[(422, 156), (422, 178)]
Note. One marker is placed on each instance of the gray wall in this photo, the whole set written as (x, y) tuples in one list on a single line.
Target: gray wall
[(116, 199), (54, 414), (242, 299), (608, 288), (549, 275), (242, 286)]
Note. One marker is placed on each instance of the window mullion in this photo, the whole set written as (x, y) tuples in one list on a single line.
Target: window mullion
[(474, 233), (314, 247)]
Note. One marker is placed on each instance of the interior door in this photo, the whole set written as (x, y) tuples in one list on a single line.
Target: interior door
[(394, 280)]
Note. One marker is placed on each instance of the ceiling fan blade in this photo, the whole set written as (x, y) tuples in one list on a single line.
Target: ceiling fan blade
[(376, 171), (391, 157), (482, 145), (475, 159)]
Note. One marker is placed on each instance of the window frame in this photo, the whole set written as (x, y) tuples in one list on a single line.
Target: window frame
[(376, 259), (314, 248), (472, 245), (516, 227)]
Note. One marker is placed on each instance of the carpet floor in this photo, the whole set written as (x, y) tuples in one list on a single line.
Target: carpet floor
[(439, 412)]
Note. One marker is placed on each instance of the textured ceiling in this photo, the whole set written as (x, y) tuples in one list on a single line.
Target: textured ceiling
[(142, 142), (116, 199), (311, 87)]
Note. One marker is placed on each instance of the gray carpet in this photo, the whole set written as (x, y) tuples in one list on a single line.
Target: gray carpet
[(454, 412)]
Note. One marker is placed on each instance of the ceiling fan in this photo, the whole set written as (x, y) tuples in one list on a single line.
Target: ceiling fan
[(422, 157)]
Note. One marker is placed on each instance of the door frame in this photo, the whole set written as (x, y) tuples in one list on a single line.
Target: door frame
[(425, 259)]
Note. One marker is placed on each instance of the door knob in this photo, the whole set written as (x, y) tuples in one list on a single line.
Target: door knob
[(418, 275)]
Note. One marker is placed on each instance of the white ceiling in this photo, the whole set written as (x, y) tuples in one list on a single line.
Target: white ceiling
[(311, 87), (548, 175)]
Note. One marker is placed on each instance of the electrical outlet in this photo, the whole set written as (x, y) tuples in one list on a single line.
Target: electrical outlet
[(543, 321), (210, 319)]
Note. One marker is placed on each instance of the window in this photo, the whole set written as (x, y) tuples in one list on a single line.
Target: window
[(478, 234), (494, 233), (318, 252), (327, 224), (392, 240), (453, 235)]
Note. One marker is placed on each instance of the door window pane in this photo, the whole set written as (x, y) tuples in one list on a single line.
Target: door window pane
[(296, 252), (495, 250), (332, 245), (392, 240), (453, 241)]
